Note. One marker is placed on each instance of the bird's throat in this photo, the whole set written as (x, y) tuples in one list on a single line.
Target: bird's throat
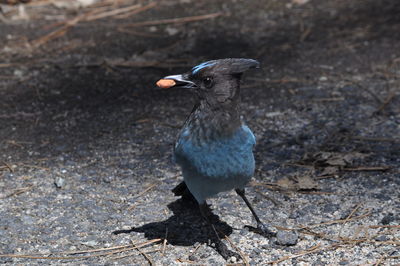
[(213, 123)]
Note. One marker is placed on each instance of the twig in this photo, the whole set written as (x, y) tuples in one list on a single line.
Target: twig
[(316, 192), (349, 217), (111, 248), (165, 241), (143, 253), (279, 81), (6, 165), (314, 249), (35, 166), (17, 144), (138, 33), (141, 194), (334, 221), (385, 256), (174, 20), (385, 103), (384, 226), (5, 65), (137, 11), (333, 99), (43, 256), (94, 250), (305, 34), (368, 168), (375, 139), (146, 190), (112, 12), (343, 240), (144, 64), (19, 191), (128, 255), (274, 201), (352, 212), (58, 32), (20, 114)]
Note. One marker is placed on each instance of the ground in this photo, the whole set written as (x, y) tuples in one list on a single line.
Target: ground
[(86, 138)]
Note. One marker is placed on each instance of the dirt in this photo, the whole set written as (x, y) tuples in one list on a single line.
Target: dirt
[(86, 137)]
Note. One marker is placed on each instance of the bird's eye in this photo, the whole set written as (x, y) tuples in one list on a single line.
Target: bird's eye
[(208, 82)]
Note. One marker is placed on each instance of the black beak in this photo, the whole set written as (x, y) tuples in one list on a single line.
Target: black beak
[(181, 81)]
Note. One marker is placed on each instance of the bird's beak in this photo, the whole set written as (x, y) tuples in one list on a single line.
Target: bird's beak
[(181, 81)]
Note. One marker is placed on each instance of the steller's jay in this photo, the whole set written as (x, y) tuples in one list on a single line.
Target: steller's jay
[(215, 148)]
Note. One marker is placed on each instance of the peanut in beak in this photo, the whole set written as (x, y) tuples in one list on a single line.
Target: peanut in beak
[(166, 83)]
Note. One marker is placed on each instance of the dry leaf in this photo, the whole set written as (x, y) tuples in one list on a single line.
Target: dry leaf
[(300, 2), (305, 182), (296, 183), (330, 170), (286, 183)]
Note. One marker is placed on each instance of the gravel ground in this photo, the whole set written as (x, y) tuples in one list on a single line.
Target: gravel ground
[(86, 138)]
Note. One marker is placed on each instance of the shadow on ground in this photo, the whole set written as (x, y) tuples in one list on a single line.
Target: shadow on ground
[(185, 227)]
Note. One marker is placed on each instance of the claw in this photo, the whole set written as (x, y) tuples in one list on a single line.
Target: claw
[(261, 229), (265, 231)]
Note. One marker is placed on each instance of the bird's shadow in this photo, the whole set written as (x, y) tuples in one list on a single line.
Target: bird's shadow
[(184, 228)]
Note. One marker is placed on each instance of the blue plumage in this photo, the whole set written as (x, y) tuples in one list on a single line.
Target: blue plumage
[(202, 65), (216, 165), (215, 148)]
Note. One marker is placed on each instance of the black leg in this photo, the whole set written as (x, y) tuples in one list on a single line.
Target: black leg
[(260, 225), (221, 248)]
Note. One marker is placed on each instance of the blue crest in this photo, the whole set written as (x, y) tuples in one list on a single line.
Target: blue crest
[(202, 65)]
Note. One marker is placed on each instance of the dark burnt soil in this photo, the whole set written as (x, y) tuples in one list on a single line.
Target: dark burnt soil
[(86, 138)]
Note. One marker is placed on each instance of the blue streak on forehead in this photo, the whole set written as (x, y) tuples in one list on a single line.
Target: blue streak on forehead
[(202, 65)]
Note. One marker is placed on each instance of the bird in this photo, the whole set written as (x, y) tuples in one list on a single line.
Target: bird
[(214, 148)]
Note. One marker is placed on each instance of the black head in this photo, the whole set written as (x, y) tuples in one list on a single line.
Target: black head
[(216, 82)]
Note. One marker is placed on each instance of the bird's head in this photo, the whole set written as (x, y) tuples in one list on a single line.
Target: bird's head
[(217, 82)]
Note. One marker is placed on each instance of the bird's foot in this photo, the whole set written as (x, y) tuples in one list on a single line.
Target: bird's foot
[(262, 229), (265, 231)]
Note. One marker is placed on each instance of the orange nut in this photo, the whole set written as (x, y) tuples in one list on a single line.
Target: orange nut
[(166, 83)]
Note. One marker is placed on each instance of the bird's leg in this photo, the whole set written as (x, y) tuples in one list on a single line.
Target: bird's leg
[(260, 225), (221, 248)]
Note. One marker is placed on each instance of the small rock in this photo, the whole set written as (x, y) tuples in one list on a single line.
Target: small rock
[(90, 243), (388, 219), (18, 73), (59, 182), (287, 238), (171, 31), (381, 238), (233, 259), (108, 179), (193, 258)]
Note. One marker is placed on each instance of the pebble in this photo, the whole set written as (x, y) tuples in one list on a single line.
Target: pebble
[(59, 182), (381, 238), (233, 259), (193, 258), (388, 219), (287, 238)]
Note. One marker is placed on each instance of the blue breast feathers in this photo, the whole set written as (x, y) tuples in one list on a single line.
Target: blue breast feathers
[(221, 158)]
